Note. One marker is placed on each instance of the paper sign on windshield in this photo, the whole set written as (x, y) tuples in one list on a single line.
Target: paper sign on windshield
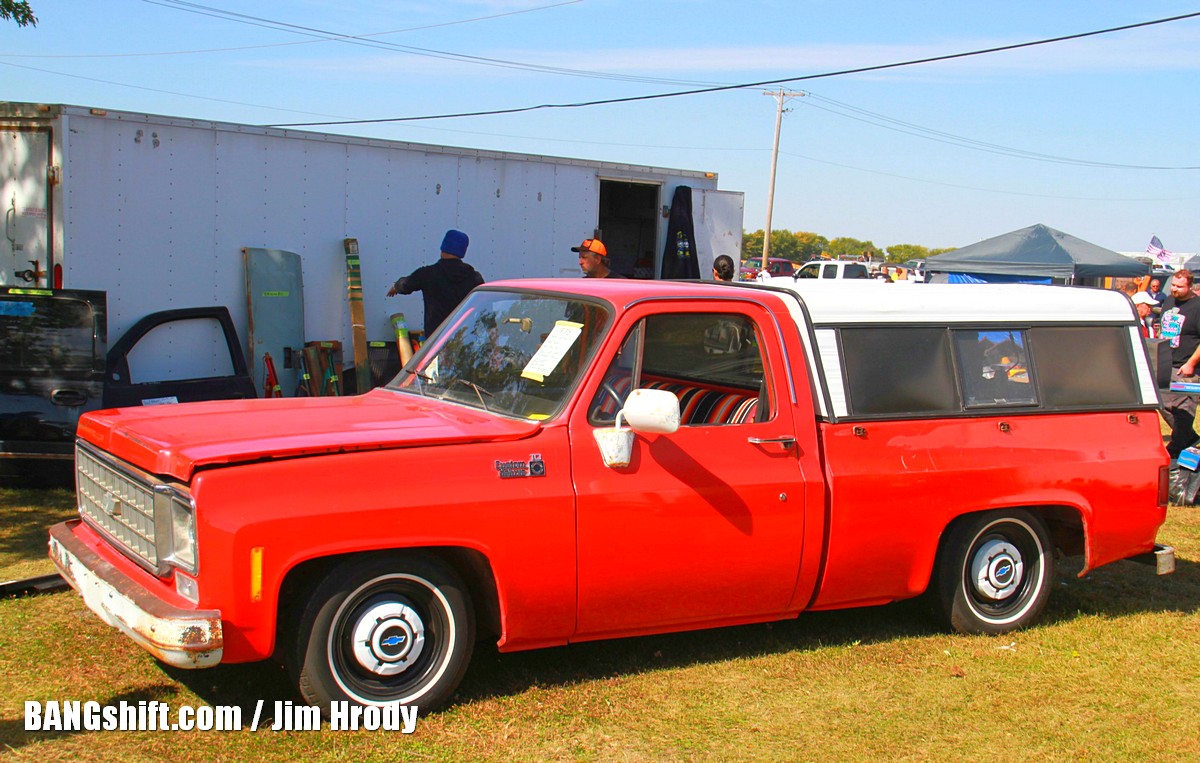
[(548, 356)]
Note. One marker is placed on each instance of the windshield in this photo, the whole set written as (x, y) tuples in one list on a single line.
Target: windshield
[(512, 353)]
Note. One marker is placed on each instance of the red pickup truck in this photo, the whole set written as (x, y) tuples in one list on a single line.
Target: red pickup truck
[(567, 460)]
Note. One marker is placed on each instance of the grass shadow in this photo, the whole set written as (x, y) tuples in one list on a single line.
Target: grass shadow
[(1122, 588), (15, 735), (494, 675), (26, 515), (243, 686), (1119, 589)]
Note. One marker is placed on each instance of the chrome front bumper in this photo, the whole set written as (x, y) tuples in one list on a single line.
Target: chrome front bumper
[(184, 638)]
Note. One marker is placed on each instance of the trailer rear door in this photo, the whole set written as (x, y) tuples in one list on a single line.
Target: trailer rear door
[(25, 197)]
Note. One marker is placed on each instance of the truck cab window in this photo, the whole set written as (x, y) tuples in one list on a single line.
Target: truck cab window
[(713, 363)]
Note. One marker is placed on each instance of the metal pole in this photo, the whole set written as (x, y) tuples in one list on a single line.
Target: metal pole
[(779, 96)]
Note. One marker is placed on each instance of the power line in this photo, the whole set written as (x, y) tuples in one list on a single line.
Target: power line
[(282, 44), (916, 132), (939, 136), (360, 40), (868, 117), (744, 85), (364, 40), (156, 90), (978, 188)]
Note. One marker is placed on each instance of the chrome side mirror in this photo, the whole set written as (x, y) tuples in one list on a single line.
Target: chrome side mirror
[(648, 411)]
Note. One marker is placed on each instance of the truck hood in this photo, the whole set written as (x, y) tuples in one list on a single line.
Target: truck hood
[(176, 440)]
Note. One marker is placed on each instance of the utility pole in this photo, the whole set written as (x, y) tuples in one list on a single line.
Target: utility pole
[(779, 97)]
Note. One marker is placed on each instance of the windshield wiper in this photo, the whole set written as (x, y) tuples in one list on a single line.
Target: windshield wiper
[(421, 379), (479, 392)]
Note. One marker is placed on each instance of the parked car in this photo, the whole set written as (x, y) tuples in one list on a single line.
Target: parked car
[(56, 365), (776, 266)]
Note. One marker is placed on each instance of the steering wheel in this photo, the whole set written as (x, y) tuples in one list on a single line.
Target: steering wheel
[(611, 391)]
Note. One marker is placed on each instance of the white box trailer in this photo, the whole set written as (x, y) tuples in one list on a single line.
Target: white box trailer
[(157, 210)]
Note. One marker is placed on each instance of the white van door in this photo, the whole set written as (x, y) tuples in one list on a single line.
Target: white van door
[(717, 216)]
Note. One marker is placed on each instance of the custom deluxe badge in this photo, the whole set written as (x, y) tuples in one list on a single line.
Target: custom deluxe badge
[(534, 467)]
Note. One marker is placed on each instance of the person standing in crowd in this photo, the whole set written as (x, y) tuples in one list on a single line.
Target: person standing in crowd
[(593, 259), (1181, 326), (723, 268), (444, 284), (1145, 304), (1156, 293)]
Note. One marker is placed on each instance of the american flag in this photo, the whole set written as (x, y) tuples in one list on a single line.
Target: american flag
[(1155, 249)]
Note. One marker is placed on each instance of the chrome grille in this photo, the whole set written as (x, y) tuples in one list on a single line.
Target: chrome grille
[(120, 502)]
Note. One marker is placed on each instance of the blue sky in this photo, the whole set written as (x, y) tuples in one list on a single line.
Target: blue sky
[(935, 154)]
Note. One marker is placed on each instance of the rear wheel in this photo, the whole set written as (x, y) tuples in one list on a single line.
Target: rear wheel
[(386, 629), (994, 572)]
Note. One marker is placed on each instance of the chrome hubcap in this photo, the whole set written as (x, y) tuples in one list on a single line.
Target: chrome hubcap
[(997, 569), (388, 638)]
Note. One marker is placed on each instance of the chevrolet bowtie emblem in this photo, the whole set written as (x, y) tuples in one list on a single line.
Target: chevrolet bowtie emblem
[(111, 505)]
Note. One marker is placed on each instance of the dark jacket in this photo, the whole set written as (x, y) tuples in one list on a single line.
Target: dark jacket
[(444, 284)]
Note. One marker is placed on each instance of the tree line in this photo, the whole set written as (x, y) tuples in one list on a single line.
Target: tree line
[(802, 246)]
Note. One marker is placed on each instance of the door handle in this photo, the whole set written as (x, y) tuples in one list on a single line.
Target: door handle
[(71, 398), (785, 441)]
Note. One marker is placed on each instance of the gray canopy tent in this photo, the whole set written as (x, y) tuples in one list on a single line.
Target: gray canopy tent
[(1036, 254)]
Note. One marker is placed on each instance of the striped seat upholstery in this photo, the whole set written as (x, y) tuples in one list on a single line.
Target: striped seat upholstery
[(697, 404)]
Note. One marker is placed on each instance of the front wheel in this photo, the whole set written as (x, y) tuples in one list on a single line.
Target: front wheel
[(382, 630), (994, 572)]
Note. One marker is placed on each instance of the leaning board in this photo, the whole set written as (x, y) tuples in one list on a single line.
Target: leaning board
[(275, 306)]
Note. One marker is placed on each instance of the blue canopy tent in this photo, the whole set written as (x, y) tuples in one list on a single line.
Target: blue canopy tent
[(1037, 254)]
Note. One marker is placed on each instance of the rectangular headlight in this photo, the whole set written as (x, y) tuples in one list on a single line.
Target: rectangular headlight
[(175, 529), (183, 534)]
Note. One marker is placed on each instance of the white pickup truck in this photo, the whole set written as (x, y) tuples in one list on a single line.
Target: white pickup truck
[(824, 269)]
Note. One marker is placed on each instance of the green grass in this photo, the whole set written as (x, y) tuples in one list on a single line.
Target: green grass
[(24, 516), (1112, 673)]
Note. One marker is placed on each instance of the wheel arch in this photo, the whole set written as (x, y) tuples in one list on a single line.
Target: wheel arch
[(1065, 523), (994, 569), (473, 566)]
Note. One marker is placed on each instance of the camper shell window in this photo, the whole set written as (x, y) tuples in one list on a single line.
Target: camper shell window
[(1084, 366), (900, 370), (931, 371)]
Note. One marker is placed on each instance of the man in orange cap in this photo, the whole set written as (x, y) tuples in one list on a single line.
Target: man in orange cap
[(593, 259)]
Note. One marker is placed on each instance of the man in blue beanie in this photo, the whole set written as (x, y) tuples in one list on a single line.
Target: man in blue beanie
[(444, 283)]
